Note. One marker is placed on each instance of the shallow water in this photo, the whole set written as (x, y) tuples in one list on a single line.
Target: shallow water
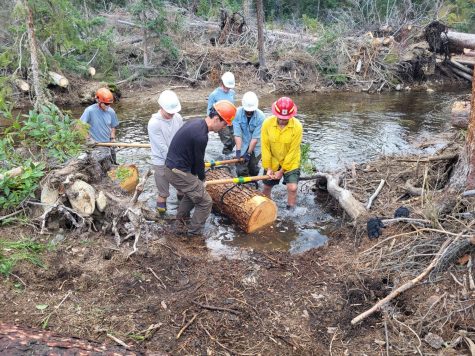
[(341, 128)]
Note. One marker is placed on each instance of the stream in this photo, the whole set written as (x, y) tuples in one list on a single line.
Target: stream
[(340, 127)]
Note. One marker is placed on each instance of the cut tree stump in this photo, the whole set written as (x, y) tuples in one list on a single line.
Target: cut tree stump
[(246, 207)]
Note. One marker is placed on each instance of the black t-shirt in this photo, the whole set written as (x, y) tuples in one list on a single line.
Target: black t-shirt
[(187, 149)]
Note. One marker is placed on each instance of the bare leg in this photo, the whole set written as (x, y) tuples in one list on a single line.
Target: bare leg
[(292, 194), (267, 190)]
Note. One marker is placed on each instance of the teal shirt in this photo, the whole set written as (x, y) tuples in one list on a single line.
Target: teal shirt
[(101, 122), (248, 130), (219, 94)]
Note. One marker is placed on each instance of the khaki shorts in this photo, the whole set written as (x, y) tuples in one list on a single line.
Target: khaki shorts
[(289, 177), (161, 181)]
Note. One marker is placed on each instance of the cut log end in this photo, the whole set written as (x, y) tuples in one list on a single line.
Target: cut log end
[(264, 213)]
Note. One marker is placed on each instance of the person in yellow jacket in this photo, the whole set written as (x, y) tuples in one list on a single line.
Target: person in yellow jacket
[(281, 136)]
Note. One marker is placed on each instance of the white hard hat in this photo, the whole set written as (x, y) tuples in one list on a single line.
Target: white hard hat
[(250, 102), (169, 102), (228, 80)]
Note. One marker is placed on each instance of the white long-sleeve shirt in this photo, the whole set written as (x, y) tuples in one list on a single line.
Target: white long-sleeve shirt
[(160, 133)]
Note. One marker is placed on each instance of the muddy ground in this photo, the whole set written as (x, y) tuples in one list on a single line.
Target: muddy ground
[(173, 297)]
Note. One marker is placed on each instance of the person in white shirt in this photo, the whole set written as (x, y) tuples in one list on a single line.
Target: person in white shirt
[(162, 127)]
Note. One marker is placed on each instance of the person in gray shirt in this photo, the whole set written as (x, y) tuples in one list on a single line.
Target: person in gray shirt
[(162, 127)]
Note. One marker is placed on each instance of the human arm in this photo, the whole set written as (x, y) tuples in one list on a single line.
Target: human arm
[(211, 101), (199, 158)]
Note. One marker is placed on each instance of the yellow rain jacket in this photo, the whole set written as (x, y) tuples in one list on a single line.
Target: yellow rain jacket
[(281, 146)]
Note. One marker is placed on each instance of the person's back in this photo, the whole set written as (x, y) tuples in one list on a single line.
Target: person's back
[(161, 132), (187, 148)]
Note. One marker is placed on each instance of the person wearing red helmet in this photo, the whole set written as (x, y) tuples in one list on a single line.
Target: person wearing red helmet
[(185, 165), (281, 136)]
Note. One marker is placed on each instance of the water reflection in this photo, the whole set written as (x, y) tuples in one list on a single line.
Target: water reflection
[(340, 127)]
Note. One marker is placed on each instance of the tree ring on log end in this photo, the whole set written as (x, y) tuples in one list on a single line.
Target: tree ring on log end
[(264, 213)]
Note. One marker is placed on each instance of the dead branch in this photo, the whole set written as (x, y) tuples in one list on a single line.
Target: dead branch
[(375, 194), (405, 286)]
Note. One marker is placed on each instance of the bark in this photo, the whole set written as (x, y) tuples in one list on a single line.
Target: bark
[(464, 173), (40, 96), (246, 207), (260, 38), (459, 40), (18, 340)]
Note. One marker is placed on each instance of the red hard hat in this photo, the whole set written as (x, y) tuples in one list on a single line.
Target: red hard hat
[(104, 95), (284, 108)]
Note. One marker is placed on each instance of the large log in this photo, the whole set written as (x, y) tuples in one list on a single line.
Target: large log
[(459, 40), (460, 114), (246, 207)]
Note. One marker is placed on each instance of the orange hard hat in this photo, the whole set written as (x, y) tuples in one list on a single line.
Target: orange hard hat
[(226, 110), (284, 108), (104, 95)]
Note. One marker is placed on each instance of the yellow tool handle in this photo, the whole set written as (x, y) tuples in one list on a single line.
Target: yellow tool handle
[(238, 180)]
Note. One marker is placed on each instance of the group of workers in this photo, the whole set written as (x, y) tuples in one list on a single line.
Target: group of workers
[(178, 147)]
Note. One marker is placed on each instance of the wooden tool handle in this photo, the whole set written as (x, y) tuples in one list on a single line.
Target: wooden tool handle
[(122, 144), (238, 180), (213, 163)]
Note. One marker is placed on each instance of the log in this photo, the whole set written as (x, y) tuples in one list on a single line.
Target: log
[(460, 114), (59, 79), (352, 207), (20, 340), (82, 197), (459, 40), (22, 85), (246, 207), (461, 67), (461, 74), (91, 71)]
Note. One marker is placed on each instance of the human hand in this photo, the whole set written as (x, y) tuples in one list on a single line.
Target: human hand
[(246, 157), (238, 154), (270, 173), (278, 174)]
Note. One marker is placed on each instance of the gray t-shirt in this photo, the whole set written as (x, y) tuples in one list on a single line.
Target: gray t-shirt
[(160, 133), (101, 122)]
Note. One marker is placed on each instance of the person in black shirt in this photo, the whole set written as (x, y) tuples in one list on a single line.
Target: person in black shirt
[(185, 165)]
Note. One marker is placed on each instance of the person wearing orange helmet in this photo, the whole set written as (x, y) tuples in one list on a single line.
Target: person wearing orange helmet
[(101, 118), (185, 165), (281, 136)]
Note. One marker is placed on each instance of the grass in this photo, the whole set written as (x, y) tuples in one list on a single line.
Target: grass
[(13, 252)]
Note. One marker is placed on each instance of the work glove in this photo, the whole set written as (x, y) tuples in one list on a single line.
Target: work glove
[(246, 157), (373, 227), (401, 212), (238, 154)]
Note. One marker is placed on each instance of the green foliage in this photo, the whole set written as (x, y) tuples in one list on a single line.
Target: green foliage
[(15, 190), (48, 129), (461, 15), (311, 24), (306, 164), (13, 252), (122, 173)]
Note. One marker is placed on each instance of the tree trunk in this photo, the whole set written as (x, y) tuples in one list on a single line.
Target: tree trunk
[(40, 97), (464, 173), (145, 47), (58, 79), (260, 39), (248, 208), (459, 40)]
